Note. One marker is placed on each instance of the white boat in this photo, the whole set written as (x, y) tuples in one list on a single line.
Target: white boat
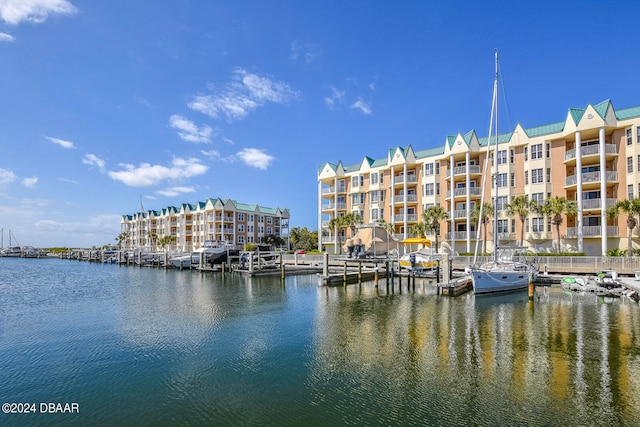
[(422, 259), (12, 251), (503, 273), (209, 252), (259, 259)]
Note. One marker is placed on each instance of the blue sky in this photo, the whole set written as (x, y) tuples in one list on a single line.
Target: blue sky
[(106, 103)]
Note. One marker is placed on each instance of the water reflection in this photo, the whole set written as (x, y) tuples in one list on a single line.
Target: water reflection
[(560, 359)]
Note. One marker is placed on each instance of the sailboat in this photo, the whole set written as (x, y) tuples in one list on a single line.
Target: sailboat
[(503, 273)]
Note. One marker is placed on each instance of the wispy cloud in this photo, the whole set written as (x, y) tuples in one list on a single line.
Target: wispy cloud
[(61, 142), (30, 182), (93, 160), (98, 225), (4, 37), (13, 12), (255, 158), (307, 52), (189, 131), (174, 191), (362, 106), (6, 176), (335, 99), (147, 174), (245, 93), (70, 181), (211, 153)]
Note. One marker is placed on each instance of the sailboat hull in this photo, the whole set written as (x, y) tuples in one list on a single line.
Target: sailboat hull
[(487, 282)]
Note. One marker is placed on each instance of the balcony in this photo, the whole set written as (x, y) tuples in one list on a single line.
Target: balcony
[(590, 150), (462, 192), (411, 198), (591, 177), (462, 170), (331, 206), (460, 235), (332, 189), (410, 218), (399, 180), (460, 213), (591, 231), (596, 204), (538, 236)]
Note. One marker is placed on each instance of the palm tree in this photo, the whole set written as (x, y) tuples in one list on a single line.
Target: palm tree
[(522, 207), (122, 239), (352, 220), (432, 217), (483, 218), (419, 229), (630, 208), (336, 224), (166, 240), (553, 208)]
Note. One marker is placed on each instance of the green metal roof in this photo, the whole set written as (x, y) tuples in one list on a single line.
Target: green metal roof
[(502, 138), (576, 114), (628, 113), (544, 129), (602, 108)]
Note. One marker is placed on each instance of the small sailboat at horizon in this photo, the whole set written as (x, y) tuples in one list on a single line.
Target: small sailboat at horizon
[(503, 273)]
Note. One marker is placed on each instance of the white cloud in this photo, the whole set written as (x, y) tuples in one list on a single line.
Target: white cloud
[(255, 157), (174, 191), (335, 99), (210, 153), (61, 142), (362, 106), (103, 226), (4, 37), (245, 93), (6, 176), (147, 174), (189, 131), (307, 51), (93, 160), (30, 182), (13, 12), (71, 181)]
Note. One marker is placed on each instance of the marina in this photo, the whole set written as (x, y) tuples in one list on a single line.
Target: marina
[(179, 347)]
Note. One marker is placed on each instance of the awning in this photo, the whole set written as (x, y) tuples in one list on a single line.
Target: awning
[(417, 241)]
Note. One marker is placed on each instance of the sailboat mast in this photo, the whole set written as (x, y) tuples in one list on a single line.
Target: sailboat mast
[(495, 166)]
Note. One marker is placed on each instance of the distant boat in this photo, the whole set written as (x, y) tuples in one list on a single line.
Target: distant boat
[(503, 273), (12, 251)]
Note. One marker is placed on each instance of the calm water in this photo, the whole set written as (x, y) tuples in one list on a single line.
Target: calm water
[(151, 347)]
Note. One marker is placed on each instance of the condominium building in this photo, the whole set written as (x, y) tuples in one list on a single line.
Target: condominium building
[(591, 156), (212, 220)]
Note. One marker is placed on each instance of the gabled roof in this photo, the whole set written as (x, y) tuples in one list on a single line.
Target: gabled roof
[(544, 129)]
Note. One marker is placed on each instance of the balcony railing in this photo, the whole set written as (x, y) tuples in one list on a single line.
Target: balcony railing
[(332, 189), (473, 191), (400, 179), (462, 170), (590, 204), (410, 218), (588, 177), (460, 235), (411, 198), (591, 231), (330, 206), (460, 213), (590, 150)]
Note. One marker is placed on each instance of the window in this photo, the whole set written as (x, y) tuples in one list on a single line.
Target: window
[(438, 163), (261, 229), (526, 177), (513, 179), (536, 151), (374, 178), (428, 169), (536, 176), (374, 197), (429, 189), (261, 219), (250, 228), (526, 154), (537, 225), (513, 225), (241, 240), (354, 181), (241, 228), (361, 180), (629, 164), (501, 180), (501, 202), (437, 188), (269, 230), (630, 192), (629, 139), (502, 157), (269, 220), (638, 162), (512, 156), (548, 150), (638, 132), (240, 217), (251, 218), (538, 197), (548, 174), (503, 226)]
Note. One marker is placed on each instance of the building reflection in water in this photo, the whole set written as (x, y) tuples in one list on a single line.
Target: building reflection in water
[(563, 359)]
